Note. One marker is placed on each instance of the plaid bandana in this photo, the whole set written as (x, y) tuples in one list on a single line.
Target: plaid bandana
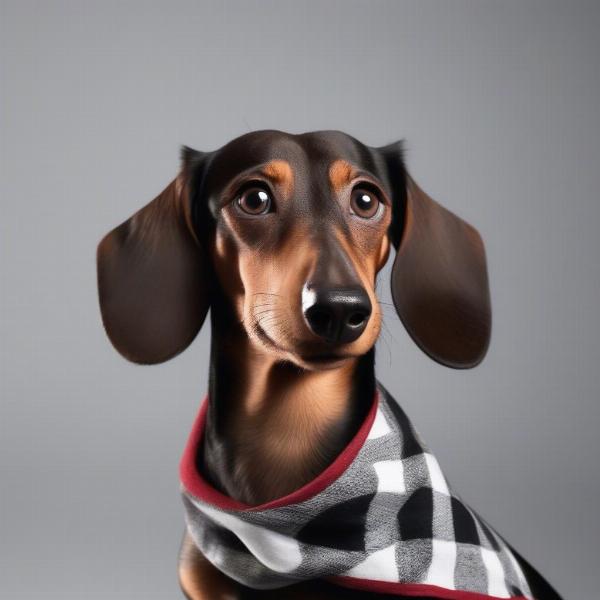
[(381, 517)]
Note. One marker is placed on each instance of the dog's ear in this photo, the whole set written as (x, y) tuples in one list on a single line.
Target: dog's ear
[(439, 277), (152, 274)]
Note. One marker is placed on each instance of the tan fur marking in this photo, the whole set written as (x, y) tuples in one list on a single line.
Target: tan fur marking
[(280, 172), (341, 173)]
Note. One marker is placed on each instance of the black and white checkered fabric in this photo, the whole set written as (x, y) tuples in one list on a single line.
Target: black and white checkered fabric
[(389, 517)]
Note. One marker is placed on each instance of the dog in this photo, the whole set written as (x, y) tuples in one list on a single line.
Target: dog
[(282, 237)]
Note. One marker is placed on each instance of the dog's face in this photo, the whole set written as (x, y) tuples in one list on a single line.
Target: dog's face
[(286, 234), (298, 232)]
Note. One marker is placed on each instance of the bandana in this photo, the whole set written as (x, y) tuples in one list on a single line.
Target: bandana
[(381, 517)]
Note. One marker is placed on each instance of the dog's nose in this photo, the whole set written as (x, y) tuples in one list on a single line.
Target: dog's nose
[(336, 314)]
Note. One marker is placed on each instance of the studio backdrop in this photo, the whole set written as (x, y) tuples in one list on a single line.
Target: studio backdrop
[(498, 104)]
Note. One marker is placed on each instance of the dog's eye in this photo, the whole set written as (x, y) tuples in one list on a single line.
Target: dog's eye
[(254, 201), (364, 203)]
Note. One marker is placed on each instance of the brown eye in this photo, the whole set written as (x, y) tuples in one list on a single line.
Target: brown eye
[(255, 201), (364, 204)]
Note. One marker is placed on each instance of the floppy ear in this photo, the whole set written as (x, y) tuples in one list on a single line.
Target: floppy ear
[(439, 277), (152, 275)]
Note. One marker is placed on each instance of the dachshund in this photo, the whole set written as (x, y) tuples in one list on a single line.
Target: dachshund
[(282, 237)]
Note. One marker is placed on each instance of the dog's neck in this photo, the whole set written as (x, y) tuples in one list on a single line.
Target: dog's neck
[(272, 427)]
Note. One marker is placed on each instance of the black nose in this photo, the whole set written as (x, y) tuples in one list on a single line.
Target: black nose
[(337, 315)]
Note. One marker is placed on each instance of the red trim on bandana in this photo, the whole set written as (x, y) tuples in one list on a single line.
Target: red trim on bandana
[(412, 589), (194, 482)]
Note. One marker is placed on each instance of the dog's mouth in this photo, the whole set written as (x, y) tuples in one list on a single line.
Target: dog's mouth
[(308, 358), (324, 361), (267, 339)]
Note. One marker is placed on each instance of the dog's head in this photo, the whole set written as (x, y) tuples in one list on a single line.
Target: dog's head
[(284, 236)]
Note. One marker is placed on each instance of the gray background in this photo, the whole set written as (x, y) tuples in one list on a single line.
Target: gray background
[(499, 105)]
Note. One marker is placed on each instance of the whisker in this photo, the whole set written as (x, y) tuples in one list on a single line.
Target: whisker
[(266, 294), (388, 331), (262, 312)]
